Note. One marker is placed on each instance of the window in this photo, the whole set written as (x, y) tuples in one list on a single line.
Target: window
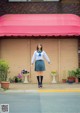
[(32, 0), (17, 0)]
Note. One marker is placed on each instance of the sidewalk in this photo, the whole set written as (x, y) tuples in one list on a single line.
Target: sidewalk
[(20, 87)]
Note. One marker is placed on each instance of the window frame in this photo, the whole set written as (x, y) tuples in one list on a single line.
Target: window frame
[(22, 1)]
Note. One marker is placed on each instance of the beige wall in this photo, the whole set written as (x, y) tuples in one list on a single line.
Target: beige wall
[(51, 48), (62, 53), (16, 52), (68, 56)]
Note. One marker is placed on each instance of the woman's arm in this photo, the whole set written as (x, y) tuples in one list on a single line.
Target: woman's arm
[(46, 57), (33, 57)]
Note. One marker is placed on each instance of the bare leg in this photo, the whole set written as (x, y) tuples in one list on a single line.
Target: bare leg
[(40, 73)]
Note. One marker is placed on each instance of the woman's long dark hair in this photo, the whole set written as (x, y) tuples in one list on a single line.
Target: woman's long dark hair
[(38, 47)]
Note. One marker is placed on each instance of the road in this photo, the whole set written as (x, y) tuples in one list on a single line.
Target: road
[(58, 102)]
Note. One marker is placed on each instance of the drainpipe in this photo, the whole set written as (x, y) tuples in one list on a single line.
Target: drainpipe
[(59, 58), (30, 61)]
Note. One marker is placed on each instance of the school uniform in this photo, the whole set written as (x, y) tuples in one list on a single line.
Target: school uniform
[(38, 58)]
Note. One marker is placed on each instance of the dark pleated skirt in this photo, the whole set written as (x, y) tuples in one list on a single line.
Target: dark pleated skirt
[(39, 65)]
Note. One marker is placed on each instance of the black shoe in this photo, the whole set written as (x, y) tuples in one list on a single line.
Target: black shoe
[(40, 85), (38, 82), (41, 81)]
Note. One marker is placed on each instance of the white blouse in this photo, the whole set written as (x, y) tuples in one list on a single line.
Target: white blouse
[(39, 56)]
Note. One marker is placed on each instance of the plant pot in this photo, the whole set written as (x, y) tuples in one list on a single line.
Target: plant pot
[(54, 79), (71, 79), (76, 80), (26, 78), (64, 80), (16, 80), (5, 85)]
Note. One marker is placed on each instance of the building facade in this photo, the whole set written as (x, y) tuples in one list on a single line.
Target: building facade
[(63, 51)]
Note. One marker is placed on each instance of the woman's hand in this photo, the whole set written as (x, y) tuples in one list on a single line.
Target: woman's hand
[(48, 62), (31, 65)]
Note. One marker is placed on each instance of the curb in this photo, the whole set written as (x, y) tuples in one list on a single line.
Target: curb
[(44, 91), (21, 91), (59, 90)]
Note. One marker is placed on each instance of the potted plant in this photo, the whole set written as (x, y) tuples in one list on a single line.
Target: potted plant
[(64, 77), (71, 77), (53, 74), (77, 75), (64, 80), (76, 79), (25, 73), (4, 74), (18, 78)]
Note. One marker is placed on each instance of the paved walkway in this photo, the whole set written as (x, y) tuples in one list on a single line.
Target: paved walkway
[(19, 87)]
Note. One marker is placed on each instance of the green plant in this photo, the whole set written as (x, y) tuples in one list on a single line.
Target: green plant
[(12, 80), (3, 70), (71, 77), (64, 76), (18, 78), (77, 73), (53, 73), (71, 73)]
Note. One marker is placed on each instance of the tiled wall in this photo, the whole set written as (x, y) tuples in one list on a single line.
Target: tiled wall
[(65, 6)]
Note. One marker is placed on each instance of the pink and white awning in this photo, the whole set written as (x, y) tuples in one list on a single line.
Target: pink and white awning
[(39, 24)]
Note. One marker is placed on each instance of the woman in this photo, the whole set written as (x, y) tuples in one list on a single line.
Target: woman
[(38, 58)]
